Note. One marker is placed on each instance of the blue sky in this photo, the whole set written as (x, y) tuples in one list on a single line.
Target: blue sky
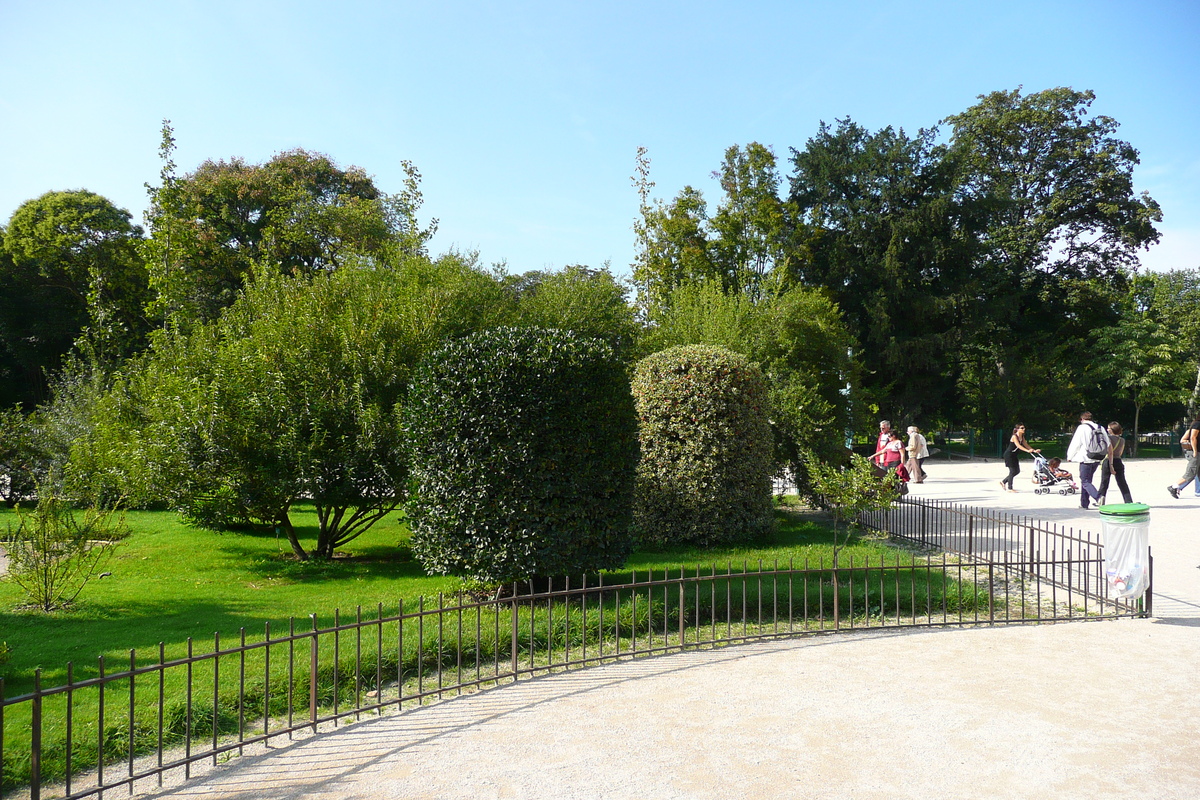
[(524, 117)]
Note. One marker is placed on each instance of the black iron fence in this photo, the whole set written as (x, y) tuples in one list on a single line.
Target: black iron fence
[(123, 726), (1058, 557)]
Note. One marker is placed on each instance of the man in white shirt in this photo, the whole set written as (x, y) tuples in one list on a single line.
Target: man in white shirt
[(1078, 452)]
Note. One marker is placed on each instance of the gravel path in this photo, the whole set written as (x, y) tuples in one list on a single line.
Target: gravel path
[(1096, 709)]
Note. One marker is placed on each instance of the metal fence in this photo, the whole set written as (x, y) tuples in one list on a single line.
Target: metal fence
[(1059, 557), (122, 726)]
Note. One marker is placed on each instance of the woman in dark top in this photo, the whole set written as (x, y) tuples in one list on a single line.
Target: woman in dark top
[(1114, 465), (1016, 442)]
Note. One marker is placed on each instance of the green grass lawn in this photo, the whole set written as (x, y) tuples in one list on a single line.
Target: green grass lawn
[(170, 582)]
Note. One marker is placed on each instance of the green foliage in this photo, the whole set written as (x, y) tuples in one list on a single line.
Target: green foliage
[(296, 391), (24, 455), (72, 275), (850, 490), (586, 301), (798, 338), (706, 462), (522, 444), (52, 553), (300, 213)]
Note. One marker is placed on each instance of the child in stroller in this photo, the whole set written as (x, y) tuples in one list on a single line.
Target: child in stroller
[(1049, 472)]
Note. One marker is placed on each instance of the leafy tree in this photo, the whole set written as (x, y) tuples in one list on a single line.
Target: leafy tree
[(751, 227), (889, 247), (299, 212), (1058, 227), (73, 276), (587, 301), (295, 392), (707, 448), (523, 444), (673, 246), (1172, 301), (849, 490)]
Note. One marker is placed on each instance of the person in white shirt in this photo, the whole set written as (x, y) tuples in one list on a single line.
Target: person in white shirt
[(1078, 452)]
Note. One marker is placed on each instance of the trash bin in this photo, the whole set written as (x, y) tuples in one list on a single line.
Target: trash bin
[(1126, 548)]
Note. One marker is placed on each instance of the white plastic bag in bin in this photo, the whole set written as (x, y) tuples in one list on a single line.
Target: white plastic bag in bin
[(1126, 548)]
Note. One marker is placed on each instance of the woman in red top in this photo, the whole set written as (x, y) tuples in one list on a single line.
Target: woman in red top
[(890, 455)]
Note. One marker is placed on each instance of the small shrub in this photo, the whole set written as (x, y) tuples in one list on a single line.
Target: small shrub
[(53, 553), (522, 447), (706, 448)]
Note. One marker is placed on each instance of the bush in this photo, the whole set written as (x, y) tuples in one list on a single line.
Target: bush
[(522, 448), (53, 553), (706, 464)]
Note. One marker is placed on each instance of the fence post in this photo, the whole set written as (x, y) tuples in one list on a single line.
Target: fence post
[(513, 644), (1148, 598), (971, 535), (35, 745), (681, 607), (313, 662)]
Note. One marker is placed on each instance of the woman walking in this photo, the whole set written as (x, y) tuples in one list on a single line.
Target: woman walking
[(890, 455), (1015, 443), (1114, 466)]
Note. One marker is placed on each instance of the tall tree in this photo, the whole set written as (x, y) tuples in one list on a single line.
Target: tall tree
[(888, 244), (72, 274), (299, 212), (752, 224), (1059, 227)]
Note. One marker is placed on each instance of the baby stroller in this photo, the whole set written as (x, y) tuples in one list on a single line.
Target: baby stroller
[(1044, 476)]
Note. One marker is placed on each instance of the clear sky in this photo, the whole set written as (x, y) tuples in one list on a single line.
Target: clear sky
[(524, 117)]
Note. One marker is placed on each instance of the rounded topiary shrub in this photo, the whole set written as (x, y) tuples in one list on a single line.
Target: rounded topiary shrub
[(706, 448), (522, 449)]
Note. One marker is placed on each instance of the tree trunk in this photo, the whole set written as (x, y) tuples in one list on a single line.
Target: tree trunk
[(285, 522), (1137, 416)]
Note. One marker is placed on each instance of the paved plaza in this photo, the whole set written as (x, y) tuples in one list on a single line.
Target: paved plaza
[(1073, 710)]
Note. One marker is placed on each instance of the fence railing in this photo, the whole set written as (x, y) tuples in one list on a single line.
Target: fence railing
[(1060, 556), (124, 725)]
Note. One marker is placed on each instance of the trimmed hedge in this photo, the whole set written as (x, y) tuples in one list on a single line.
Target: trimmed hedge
[(522, 448), (707, 448)]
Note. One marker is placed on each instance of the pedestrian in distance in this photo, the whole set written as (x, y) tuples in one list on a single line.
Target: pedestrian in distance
[(885, 431), (918, 451), (1089, 447), (1016, 444), (1114, 465), (891, 454), (1189, 443)]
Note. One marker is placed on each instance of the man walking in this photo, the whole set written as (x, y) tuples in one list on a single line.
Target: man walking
[(885, 430), (1089, 447), (1189, 443)]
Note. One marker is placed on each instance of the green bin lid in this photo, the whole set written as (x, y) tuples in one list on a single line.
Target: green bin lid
[(1125, 509)]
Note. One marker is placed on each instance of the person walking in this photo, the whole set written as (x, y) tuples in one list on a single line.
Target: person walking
[(918, 451), (885, 435), (1016, 443), (1089, 447), (891, 454), (1189, 442), (1114, 465)]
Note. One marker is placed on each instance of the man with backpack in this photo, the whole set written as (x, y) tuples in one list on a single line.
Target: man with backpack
[(1089, 447)]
